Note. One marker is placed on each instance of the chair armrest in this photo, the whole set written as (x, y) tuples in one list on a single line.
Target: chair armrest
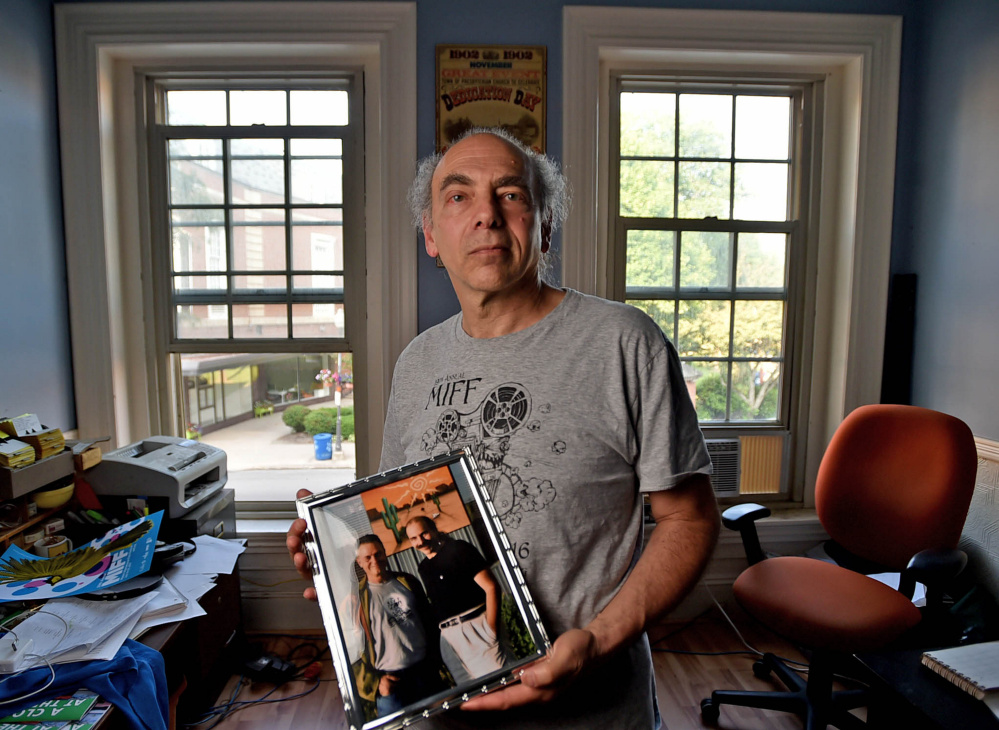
[(936, 567), (742, 517)]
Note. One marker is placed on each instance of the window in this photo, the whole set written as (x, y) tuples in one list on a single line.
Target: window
[(248, 181), (708, 220), (129, 380), (669, 218), (707, 191)]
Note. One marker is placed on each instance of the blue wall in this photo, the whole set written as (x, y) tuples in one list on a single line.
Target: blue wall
[(945, 208), (35, 362), (953, 241)]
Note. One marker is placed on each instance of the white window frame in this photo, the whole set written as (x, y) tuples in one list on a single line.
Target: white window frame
[(121, 384), (851, 216)]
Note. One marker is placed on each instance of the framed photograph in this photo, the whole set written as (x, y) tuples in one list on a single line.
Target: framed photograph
[(421, 596), (491, 86)]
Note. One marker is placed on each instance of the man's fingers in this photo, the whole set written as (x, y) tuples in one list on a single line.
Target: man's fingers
[(508, 697), (302, 494)]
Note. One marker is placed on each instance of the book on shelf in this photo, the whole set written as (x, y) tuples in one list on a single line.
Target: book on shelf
[(973, 668)]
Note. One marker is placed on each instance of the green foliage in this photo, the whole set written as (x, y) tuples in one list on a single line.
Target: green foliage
[(518, 637), (323, 420), (294, 417), (759, 404)]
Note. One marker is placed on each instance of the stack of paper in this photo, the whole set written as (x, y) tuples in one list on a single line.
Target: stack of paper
[(73, 630), (14, 453), (46, 441)]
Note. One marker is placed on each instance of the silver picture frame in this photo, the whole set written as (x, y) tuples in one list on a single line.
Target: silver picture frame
[(449, 491)]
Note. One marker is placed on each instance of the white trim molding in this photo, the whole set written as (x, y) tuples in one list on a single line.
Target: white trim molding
[(858, 57), (118, 379)]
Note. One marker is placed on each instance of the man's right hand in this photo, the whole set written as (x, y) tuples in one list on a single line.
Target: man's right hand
[(387, 684), (297, 549)]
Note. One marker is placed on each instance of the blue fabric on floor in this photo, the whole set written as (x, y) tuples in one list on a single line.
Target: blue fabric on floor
[(134, 681)]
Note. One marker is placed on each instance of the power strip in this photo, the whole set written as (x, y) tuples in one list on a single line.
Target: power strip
[(11, 657)]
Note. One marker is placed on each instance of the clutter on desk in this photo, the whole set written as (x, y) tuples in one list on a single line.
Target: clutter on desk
[(123, 552), (27, 428), (14, 453), (81, 710)]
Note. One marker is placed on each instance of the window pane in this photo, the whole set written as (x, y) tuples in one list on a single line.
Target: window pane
[(252, 321), (705, 125), (257, 107), (317, 244), (317, 181), (195, 108), (650, 258), (703, 328), (317, 320), (257, 148), (258, 239), (201, 284), (319, 108), (258, 180), (647, 124), (755, 391), (762, 127), (195, 171), (710, 390), (646, 189), (317, 148), (759, 329), (192, 233), (260, 283), (704, 190), (705, 259), (761, 191), (201, 322), (661, 310), (315, 281), (761, 260)]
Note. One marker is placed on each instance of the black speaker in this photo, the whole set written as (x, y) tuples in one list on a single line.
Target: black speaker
[(900, 330)]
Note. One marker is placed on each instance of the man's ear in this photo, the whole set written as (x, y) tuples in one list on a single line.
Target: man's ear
[(546, 236), (428, 238)]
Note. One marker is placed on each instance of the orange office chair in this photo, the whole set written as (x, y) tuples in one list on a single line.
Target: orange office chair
[(892, 491)]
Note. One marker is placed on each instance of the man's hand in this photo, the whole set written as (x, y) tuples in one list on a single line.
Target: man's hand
[(297, 550), (387, 684), (570, 655)]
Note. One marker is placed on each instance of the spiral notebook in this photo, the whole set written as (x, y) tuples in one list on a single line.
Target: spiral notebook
[(973, 668)]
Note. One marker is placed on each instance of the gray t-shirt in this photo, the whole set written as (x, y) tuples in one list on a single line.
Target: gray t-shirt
[(569, 420), (399, 641)]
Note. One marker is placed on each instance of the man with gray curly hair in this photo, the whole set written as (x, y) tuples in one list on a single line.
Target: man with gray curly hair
[(574, 407)]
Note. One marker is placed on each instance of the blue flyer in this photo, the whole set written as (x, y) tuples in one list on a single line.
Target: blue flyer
[(122, 553)]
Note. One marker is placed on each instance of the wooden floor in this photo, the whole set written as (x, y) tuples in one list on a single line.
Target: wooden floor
[(682, 681)]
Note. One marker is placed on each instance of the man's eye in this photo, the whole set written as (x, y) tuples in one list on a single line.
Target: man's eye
[(457, 197)]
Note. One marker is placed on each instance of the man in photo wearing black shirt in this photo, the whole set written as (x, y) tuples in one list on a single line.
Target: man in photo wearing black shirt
[(464, 598)]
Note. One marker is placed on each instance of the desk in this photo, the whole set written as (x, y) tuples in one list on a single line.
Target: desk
[(194, 653), (909, 695)]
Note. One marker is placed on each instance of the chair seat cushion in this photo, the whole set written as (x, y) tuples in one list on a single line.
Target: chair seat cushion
[(824, 606)]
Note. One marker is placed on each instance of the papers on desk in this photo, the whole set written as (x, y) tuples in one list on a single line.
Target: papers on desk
[(73, 630), (191, 578)]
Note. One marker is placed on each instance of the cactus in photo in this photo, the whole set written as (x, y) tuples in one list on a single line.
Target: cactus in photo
[(391, 519)]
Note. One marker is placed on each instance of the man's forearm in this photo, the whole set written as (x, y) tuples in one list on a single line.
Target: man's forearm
[(677, 553), (490, 587)]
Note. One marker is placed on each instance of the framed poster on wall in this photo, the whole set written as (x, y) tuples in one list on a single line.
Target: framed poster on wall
[(490, 86)]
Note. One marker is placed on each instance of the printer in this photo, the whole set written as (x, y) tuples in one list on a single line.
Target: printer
[(170, 473)]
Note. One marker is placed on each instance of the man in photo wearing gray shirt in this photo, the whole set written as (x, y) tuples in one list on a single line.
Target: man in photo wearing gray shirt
[(396, 667), (574, 407)]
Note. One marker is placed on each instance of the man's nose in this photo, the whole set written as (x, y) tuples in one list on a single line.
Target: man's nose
[(487, 212)]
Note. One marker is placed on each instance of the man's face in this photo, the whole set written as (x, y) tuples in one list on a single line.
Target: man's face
[(373, 561), (484, 226), (424, 538)]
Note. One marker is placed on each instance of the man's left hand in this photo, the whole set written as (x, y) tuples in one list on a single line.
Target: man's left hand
[(569, 657)]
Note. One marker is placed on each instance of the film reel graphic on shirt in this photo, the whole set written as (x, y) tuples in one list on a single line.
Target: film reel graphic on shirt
[(486, 433)]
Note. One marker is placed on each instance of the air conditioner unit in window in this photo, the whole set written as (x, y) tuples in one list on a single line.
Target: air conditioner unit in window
[(725, 456)]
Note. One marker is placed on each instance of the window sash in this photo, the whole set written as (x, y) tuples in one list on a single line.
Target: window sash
[(789, 295), (290, 295)]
